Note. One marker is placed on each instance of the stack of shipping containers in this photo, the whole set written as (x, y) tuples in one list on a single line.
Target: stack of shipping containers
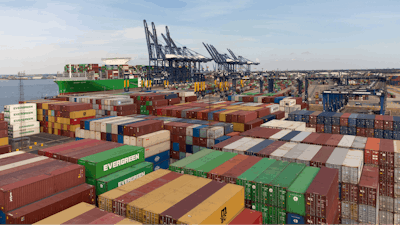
[(22, 120), (4, 144)]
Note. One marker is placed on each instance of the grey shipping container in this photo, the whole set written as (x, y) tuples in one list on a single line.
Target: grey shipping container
[(308, 154), (300, 137), (396, 175), (367, 214), (336, 160), (352, 166), (386, 203), (396, 205), (386, 217), (396, 218), (349, 210), (348, 221), (295, 152)]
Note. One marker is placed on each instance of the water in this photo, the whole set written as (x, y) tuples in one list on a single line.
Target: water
[(33, 89)]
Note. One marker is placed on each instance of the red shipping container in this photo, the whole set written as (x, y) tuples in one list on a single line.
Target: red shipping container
[(361, 132), (335, 129), (350, 192), (386, 174), (145, 127), (371, 152), (386, 189), (320, 199), (203, 142), (5, 149), (313, 117), (232, 134), (174, 101), (320, 128), (332, 140), (191, 99), (387, 122), (246, 116), (39, 184), (263, 112), (344, 120), (386, 153), (44, 208), (174, 155), (3, 133), (3, 125), (1, 117), (279, 114), (322, 156), (368, 186), (196, 141), (313, 125), (58, 148), (378, 123), (331, 215), (369, 132), (76, 107), (253, 124), (248, 216)]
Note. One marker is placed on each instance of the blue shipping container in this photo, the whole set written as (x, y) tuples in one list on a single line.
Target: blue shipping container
[(353, 120), (344, 130), (369, 121), (108, 137), (388, 134), (328, 118), (328, 129), (175, 146), (196, 130), (378, 133), (289, 136), (352, 131), (306, 116), (160, 157), (189, 149), (396, 123), (162, 165), (121, 139), (336, 119), (298, 115), (221, 139), (340, 190), (321, 118), (396, 135), (257, 148), (294, 219), (268, 118), (360, 123)]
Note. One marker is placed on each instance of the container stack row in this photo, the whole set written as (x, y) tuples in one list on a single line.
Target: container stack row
[(21, 119), (166, 197), (134, 131), (108, 105), (40, 187), (273, 187), (378, 126), (4, 143)]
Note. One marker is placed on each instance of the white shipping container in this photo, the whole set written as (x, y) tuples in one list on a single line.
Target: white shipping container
[(132, 141), (109, 124), (98, 136), (311, 130), (281, 151), (86, 134), (215, 132), (246, 146), (335, 161), (308, 154), (189, 129), (21, 119), (22, 133), (98, 123), (114, 127), (24, 126), (154, 138), (20, 107), (287, 102), (126, 140), (6, 155), (78, 132), (280, 134), (232, 146), (93, 123), (396, 145), (273, 108), (352, 166), (210, 142), (92, 134), (158, 148), (295, 152), (300, 137), (347, 141)]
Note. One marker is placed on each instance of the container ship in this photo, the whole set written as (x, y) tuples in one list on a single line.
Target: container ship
[(81, 78)]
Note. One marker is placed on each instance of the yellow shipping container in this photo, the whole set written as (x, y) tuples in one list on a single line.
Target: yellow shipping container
[(67, 214), (81, 114), (52, 119), (40, 117), (39, 111), (232, 107), (238, 127), (222, 116), (73, 127), (3, 141), (219, 208), (55, 131), (128, 221), (136, 207), (152, 212), (50, 130), (49, 124), (57, 126), (105, 200), (41, 129)]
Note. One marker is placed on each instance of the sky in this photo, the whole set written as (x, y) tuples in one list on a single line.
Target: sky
[(43, 36)]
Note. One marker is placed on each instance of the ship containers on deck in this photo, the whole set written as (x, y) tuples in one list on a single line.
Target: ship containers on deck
[(386, 153), (279, 135), (300, 136), (336, 119), (295, 198), (290, 135), (192, 167), (217, 172), (321, 118), (369, 186), (347, 141), (386, 217), (232, 175), (46, 207), (106, 127), (299, 115), (306, 116), (282, 150), (336, 160), (396, 123), (231, 147), (104, 163), (246, 179), (295, 219), (95, 125), (228, 127), (231, 140), (352, 167), (217, 140), (248, 216), (311, 139), (369, 121), (313, 117), (43, 180), (244, 147), (266, 152), (49, 151), (371, 152), (143, 127), (353, 120), (359, 143), (322, 194), (203, 170), (122, 177), (378, 123), (387, 122), (73, 156), (279, 186), (114, 126), (153, 138), (333, 140), (360, 122), (258, 147), (308, 154), (328, 118), (295, 152), (260, 191), (368, 214)]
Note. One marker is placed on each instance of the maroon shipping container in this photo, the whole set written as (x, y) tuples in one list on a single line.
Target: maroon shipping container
[(322, 193), (1, 117), (246, 116), (335, 129), (191, 99), (371, 151), (114, 138), (76, 107), (313, 117), (222, 144), (196, 141), (21, 168), (368, 186), (386, 189), (228, 117), (231, 175), (386, 174), (192, 114), (350, 192), (311, 139), (378, 123), (145, 127), (203, 114), (334, 140), (266, 152), (128, 107), (174, 111), (263, 112), (52, 151), (87, 217), (5, 149), (3, 125), (44, 208), (253, 124), (172, 214), (119, 204), (322, 156), (320, 128), (387, 122), (203, 142), (174, 101), (369, 132), (250, 132), (3, 133), (386, 153), (331, 217), (37, 186), (17, 158), (262, 132), (279, 114), (103, 136), (174, 154), (361, 132)]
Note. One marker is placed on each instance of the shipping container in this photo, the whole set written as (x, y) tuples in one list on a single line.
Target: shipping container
[(350, 210), (203, 170), (308, 154), (216, 173), (236, 144), (369, 186), (232, 174), (244, 147), (258, 147), (386, 153), (349, 192), (300, 137), (191, 167), (231, 140), (295, 152), (352, 166), (336, 160), (266, 152), (347, 141), (67, 214), (282, 150), (386, 217), (295, 197), (248, 216), (371, 153), (359, 143)]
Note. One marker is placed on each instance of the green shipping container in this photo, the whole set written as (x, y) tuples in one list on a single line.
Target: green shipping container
[(91, 181), (261, 188), (279, 186), (295, 197), (111, 161), (247, 178), (203, 170), (192, 167), (178, 166), (276, 215), (122, 177)]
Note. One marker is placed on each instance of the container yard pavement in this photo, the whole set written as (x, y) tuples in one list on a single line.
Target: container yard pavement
[(45, 139)]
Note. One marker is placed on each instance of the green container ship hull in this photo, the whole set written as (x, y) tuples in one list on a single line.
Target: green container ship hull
[(79, 86)]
